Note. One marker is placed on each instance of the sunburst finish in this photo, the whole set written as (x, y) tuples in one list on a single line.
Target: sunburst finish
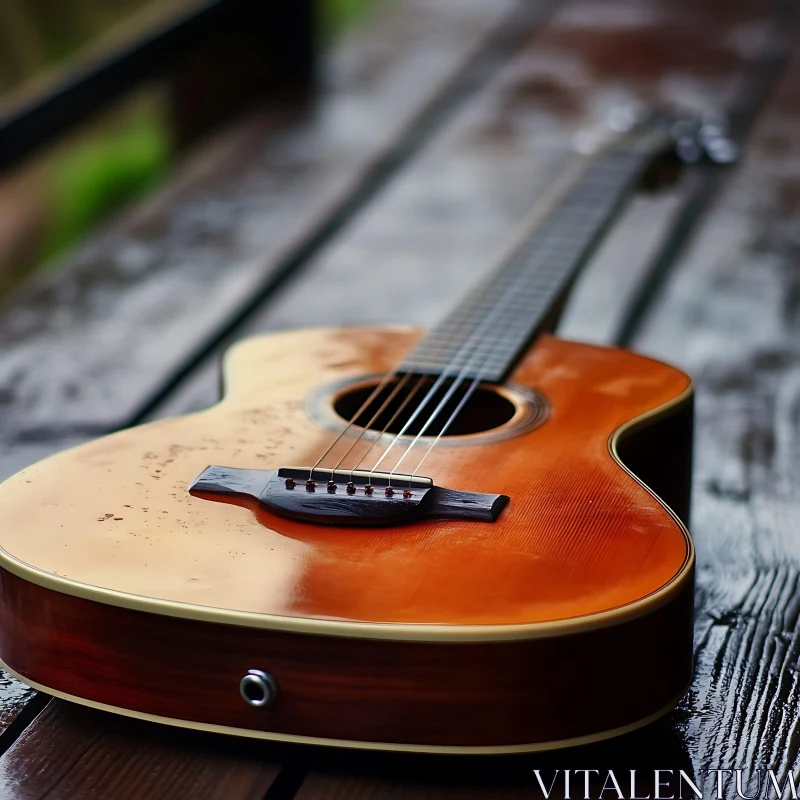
[(583, 547)]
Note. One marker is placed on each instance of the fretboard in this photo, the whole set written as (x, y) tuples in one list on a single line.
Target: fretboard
[(488, 332)]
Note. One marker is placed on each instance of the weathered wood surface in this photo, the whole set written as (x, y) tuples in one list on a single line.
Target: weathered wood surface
[(443, 220), (399, 776), (729, 317), (137, 304), (73, 752)]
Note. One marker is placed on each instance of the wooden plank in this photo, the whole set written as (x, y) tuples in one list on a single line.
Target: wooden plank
[(448, 215), (436, 228), (138, 303), (398, 776), (15, 698), (730, 318), (602, 296), (74, 752)]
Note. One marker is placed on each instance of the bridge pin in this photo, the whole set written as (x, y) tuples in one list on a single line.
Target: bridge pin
[(290, 483), (331, 486), (351, 488), (368, 489), (389, 491), (407, 493), (311, 485)]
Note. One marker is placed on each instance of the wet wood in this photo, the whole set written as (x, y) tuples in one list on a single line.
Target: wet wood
[(140, 301), (446, 218), (731, 318), (443, 221), (70, 752)]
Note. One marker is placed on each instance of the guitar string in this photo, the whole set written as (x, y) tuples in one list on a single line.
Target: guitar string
[(536, 215), (442, 378), (466, 370), (410, 396), (465, 350), (469, 367), (425, 400), (557, 190), (417, 386), (373, 395), (476, 381), (456, 411), (470, 346), (364, 406), (398, 386)]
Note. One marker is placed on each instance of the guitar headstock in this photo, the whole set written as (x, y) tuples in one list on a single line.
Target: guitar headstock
[(687, 137)]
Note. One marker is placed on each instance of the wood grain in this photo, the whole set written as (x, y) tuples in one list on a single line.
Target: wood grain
[(730, 317), (507, 695), (74, 753)]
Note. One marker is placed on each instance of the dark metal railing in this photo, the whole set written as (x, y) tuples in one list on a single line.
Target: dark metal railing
[(228, 51)]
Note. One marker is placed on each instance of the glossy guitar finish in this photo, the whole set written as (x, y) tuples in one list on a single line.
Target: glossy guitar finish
[(568, 619)]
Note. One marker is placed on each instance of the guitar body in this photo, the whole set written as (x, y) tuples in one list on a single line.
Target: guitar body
[(566, 620)]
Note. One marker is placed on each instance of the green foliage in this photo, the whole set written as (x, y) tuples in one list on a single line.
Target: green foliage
[(97, 175), (336, 15), (109, 167)]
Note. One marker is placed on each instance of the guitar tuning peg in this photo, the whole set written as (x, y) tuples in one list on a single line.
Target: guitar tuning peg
[(722, 150), (705, 138), (625, 117), (689, 149), (588, 142), (717, 141)]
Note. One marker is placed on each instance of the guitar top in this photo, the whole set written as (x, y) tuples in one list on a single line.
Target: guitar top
[(136, 530)]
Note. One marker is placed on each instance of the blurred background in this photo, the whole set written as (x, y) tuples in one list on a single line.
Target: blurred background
[(52, 200)]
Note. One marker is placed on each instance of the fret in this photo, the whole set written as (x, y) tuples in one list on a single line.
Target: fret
[(468, 355), (485, 335)]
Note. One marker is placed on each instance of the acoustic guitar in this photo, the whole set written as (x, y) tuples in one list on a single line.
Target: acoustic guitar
[(470, 540)]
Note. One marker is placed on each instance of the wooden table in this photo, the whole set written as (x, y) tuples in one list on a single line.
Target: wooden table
[(436, 126)]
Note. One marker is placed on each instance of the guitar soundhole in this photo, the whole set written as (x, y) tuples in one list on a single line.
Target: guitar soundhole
[(487, 409)]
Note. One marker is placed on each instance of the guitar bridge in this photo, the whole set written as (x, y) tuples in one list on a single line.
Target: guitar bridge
[(342, 497)]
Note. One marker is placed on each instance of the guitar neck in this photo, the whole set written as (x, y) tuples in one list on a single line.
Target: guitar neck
[(489, 331)]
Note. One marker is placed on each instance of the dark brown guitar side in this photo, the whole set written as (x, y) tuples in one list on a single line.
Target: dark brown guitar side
[(566, 620)]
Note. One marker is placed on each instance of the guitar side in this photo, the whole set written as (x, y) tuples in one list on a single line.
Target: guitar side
[(457, 639)]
